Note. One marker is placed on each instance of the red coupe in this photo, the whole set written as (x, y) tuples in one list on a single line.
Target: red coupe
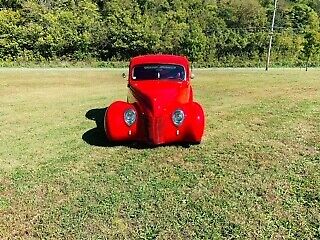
[(160, 107)]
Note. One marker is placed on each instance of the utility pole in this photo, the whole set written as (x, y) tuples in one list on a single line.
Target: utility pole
[(271, 34)]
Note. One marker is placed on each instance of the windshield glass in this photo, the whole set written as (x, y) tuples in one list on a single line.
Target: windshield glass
[(159, 72)]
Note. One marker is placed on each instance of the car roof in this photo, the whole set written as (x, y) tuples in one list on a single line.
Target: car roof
[(160, 58)]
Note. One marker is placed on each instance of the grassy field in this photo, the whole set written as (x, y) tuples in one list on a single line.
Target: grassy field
[(256, 174)]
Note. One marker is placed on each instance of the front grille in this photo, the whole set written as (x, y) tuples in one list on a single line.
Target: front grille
[(155, 127)]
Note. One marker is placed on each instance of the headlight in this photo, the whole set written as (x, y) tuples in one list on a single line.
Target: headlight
[(178, 117), (130, 116)]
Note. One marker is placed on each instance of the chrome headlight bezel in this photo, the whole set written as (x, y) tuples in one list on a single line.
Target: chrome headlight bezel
[(130, 117), (178, 117)]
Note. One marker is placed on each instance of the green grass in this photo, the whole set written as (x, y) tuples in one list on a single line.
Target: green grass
[(255, 175)]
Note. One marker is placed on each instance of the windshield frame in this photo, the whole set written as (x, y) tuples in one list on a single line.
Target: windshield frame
[(160, 79)]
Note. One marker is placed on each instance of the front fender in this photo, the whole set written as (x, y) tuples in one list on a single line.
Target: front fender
[(115, 127), (196, 123), (164, 131)]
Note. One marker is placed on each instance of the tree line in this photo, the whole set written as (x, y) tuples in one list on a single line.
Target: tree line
[(209, 32)]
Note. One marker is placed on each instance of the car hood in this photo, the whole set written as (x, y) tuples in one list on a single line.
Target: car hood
[(159, 96)]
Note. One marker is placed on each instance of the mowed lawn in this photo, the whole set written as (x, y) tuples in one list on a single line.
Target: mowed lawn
[(255, 175)]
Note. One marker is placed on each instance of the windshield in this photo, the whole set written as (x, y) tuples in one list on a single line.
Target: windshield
[(159, 72)]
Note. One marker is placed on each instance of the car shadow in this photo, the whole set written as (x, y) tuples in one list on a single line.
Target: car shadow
[(97, 136)]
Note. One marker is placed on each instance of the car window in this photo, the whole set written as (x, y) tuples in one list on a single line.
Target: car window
[(159, 72)]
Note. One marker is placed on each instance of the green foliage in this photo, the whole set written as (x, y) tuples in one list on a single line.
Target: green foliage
[(303, 16), (215, 33), (14, 4)]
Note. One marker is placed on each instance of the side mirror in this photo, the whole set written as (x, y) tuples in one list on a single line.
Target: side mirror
[(192, 76), (124, 75)]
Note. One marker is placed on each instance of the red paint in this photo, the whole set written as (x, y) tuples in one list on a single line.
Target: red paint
[(155, 101)]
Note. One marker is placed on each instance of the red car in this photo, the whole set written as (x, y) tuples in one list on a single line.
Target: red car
[(160, 107)]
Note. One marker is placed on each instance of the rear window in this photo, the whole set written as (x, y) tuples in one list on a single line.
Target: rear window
[(159, 72)]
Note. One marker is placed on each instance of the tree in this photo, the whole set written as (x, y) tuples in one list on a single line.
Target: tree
[(303, 17), (311, 46), (194, 43)]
